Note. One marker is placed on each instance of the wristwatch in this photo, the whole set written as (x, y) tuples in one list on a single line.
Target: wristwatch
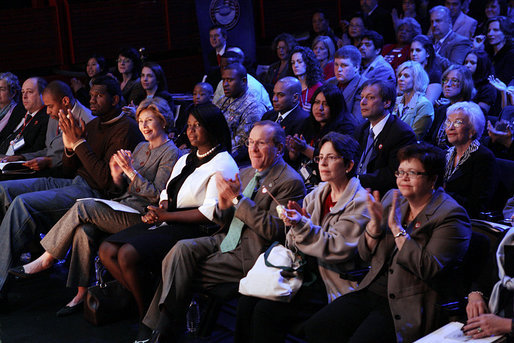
[(401, 233), (237, 199)]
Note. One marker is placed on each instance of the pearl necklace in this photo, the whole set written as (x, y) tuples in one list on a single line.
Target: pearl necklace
[(207, 153)]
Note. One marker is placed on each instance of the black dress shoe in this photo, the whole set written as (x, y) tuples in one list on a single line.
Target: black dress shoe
[(19, 272), (68, 310)]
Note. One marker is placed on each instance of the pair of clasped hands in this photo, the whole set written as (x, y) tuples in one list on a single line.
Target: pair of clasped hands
[(71, 133)]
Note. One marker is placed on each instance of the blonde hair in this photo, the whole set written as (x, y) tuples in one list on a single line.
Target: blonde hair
[(419, 75), (160, 108)]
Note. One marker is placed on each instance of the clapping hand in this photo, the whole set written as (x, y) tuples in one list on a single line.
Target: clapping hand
[(376, 211), (130, 109), (71, 131), (228, 189), (497, 83), (502, 137)]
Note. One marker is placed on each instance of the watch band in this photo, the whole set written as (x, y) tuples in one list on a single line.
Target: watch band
[(237, 199)]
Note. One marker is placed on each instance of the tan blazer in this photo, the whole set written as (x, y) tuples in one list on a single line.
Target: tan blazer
[(422, 269), (262, 224)]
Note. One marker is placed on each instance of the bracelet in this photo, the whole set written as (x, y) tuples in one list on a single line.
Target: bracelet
[(372, 236), (478, 292)]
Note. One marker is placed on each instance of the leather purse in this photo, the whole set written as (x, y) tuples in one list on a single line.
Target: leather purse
[(276, 275), (107, 302)]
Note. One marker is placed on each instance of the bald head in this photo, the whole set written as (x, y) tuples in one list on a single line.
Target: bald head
[(31, 93), (239, 53), (286, 94)]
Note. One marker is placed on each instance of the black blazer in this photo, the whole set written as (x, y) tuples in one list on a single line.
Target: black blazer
[(383, 161), (291, 124), (473, 185), (34, 134)]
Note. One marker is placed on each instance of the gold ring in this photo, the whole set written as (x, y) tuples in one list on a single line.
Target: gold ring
[(479, 329)]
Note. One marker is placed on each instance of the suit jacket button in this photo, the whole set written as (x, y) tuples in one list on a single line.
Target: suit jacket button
[(392, 296), (397, 317)]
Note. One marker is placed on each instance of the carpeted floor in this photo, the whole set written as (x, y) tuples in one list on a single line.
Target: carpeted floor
[(33, 304)]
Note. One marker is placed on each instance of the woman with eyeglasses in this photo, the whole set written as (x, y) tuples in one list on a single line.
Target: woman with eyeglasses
[(326, 229), (470, 174), (186, 207), (458, 86), (416, 237), (128, 71)]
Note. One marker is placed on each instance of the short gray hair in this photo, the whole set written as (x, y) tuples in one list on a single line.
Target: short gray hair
[(413, 23), (474, 114), (445, 10), (13, 83)]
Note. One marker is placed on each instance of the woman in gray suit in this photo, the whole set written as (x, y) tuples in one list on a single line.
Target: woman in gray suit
[(143, 174), (417, 235)]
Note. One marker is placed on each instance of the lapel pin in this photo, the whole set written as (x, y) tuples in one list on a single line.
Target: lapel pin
[(380, 146), (418, 225)]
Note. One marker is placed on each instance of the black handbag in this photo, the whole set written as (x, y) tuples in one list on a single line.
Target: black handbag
[(107, 302)]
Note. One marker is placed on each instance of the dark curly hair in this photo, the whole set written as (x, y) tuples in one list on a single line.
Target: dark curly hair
[(314, 74)]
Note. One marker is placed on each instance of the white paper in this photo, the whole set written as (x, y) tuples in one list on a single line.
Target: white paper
[(114, 205), (3, 164), (451, 333)]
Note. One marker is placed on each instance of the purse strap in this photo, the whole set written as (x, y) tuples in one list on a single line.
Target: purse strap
[(99, 271), (302, 261)]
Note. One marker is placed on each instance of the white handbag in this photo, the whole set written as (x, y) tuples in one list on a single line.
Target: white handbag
[(276, 275)]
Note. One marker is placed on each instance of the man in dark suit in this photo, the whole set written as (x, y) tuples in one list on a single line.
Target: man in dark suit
[(218, 41), (229, 254), (286, 112), (378, 19), (380, 137), (57, 96), (29, 134), (450, 47)]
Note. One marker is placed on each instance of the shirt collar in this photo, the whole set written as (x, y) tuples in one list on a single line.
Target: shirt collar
[(284, 115), (441, 41), (380, 125), (374, 8)]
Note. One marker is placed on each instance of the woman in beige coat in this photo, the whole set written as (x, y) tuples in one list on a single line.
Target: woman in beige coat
[(327, 229), (417, 235)]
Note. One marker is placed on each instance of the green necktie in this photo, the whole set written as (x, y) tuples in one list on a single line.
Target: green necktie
[(236, 226)]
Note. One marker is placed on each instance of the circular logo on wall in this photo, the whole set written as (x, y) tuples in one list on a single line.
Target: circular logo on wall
[(224, 12)]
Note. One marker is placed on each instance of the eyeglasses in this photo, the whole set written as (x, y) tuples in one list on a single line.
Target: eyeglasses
[(124, 60), (452, 82), (412, 174), (260, 144), (329, 158), (456, 124)]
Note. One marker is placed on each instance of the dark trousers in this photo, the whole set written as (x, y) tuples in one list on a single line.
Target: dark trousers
[(361, 316), (268, 321)]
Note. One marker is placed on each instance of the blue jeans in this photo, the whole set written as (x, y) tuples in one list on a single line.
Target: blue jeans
[(32, 206)]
